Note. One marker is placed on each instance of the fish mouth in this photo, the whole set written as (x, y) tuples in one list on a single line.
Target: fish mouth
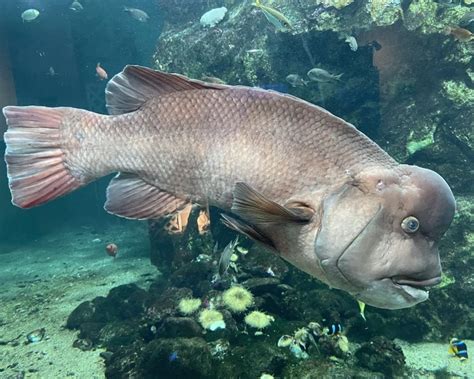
[(420, 285)]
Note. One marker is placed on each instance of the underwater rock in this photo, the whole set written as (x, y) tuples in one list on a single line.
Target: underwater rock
[(381, 355), (179, 327), (192, 273), (175, 358), (315, 369), (259, 357), (116, 334)]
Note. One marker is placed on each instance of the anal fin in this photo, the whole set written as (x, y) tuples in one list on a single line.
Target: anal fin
[(130, 196)]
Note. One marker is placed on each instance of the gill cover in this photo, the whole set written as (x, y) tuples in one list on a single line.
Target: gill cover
[(346, 214)]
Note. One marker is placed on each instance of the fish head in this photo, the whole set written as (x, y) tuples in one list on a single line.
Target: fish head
[(378, 236)]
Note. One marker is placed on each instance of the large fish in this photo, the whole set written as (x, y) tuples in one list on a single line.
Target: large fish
[(303, 182)]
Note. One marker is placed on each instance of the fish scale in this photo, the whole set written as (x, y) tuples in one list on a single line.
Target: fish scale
[(168, 147)]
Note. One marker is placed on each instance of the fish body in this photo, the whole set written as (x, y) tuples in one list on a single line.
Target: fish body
[(304, 183), (334, 329), (226, 257), (101, 73), (76, 6), (30, 15), (296, 81), (276, 18), (137, 14), (352, 42), (458, 348), (460, 34), (322, 76)]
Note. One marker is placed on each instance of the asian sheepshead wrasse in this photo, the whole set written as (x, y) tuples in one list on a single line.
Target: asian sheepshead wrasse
[(298, 179)]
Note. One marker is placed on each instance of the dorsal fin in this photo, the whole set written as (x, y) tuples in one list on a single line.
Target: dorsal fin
[(128, 90)]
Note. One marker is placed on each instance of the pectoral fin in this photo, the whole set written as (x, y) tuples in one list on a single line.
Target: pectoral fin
[(247, 230), (255, 208)]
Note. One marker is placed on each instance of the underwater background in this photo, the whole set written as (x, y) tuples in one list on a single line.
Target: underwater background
[(401, 71)]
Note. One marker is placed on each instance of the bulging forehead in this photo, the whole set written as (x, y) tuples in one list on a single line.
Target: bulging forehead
[(413, 191)]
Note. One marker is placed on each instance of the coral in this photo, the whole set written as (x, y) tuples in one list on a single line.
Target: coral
[(446, 280), (211, 319), (258, 320), (421, 15), (189, 306), (458, 93), (413, 144), (338, 4), (266, 376), (384, 12), (381, 355), (237, 299)]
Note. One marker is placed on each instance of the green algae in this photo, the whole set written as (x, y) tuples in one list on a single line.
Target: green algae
[(460, 94)]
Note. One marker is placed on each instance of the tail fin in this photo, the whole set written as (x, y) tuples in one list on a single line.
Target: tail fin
[(36, 169)]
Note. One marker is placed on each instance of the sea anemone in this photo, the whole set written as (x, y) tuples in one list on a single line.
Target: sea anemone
[(258, 320), (211, 319), (189, 306), (237, 299)]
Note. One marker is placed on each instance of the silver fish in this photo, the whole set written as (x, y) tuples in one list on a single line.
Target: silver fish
[(76, 6), (322, 76), (304, 183), (224, 260), (352, 42), (137, 14)]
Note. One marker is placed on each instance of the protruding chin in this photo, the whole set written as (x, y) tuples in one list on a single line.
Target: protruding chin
[(388, 295)]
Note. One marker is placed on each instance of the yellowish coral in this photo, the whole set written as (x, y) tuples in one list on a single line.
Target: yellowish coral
[(189, 306), (211, 319), (237, 299), (338, 4), (258, 320)]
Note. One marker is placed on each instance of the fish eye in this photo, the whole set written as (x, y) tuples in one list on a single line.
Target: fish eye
[(410, 224)]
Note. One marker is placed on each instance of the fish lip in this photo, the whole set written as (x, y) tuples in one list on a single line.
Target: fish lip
[(415, 283)]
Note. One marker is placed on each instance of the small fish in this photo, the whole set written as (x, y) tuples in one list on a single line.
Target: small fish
[(296, 81), (352, 42), (276, 18), (36, 335), (361, 309), (322, 76), (254, 51), (111, 249), (137, 14), (226, 255), (30, 15), (460, 34), (76, 6), (101, 73), (334, 329), (51, 71), (458, 348), (173, 356), (270, 272)]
